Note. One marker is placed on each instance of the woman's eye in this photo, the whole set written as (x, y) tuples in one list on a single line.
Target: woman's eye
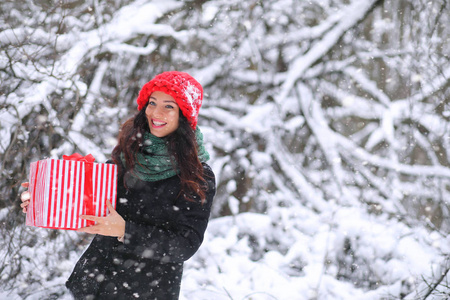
[(152, 103), (169, 106)]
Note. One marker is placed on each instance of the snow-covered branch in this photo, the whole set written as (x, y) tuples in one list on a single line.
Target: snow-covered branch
[(351, 16)]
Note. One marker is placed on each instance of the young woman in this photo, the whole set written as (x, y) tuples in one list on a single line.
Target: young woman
[(165, 192)]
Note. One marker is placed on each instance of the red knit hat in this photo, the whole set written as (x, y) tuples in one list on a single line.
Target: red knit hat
[(186, 91)]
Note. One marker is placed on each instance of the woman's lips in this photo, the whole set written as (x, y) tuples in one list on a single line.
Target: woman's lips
[(158, 124)]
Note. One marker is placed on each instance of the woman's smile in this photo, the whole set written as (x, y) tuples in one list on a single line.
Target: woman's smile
[(158, 124)]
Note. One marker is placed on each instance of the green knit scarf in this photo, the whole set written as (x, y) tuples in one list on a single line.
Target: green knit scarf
[(153, 163)]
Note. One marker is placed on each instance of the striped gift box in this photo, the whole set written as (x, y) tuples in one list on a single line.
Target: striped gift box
[(62, 190)]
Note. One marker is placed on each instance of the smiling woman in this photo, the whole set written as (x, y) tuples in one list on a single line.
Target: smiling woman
[(165, 191)]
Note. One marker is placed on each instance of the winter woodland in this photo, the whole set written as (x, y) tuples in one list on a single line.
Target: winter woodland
[(327, 122)]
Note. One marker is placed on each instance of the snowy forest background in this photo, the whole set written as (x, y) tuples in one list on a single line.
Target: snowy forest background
[(327, 121)]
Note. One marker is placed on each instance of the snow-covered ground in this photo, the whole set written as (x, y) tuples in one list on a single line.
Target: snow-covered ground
[(288, 253)]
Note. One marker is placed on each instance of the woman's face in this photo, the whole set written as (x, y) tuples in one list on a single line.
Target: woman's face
[(162, 114)]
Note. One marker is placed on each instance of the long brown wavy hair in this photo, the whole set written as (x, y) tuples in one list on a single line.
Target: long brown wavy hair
[(181, 145)]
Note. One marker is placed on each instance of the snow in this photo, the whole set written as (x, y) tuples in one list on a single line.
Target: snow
[(239, 276), (319, 207), (355, 11)]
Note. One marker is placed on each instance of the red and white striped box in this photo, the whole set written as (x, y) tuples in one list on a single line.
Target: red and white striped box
[(62, 190)]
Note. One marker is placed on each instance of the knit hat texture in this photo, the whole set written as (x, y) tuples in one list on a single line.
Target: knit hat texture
[(186, 91)]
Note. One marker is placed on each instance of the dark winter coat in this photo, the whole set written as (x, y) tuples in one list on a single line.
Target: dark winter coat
[(162, 230)]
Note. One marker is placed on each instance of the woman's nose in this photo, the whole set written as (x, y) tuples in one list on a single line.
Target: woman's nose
[(158, 112)]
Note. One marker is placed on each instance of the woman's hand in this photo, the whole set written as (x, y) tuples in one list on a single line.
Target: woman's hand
[(25, 197), (111, 225)]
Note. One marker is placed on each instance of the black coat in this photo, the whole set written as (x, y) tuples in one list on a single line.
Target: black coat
[(162, 230)]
